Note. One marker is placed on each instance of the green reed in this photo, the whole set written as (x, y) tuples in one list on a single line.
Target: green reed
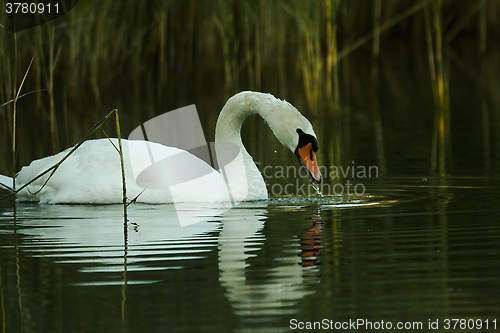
[(14, 118), (154, 47), (439, 77)]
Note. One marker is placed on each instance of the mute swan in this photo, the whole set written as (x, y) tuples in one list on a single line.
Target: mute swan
[(92, 174)]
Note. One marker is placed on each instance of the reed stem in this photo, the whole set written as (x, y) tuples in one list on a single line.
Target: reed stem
[(441, 133), (329, 46), (14, 116), (124, 186), (50, 87), (54, 168)]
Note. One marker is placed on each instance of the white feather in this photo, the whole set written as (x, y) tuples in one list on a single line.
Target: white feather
[(92, 175)]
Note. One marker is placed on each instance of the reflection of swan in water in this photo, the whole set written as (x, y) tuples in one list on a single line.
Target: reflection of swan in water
[(284, 284), (94, 238), (96, 244), (93, 175)]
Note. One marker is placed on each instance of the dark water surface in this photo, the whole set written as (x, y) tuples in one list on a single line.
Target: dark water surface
[(413, 251)]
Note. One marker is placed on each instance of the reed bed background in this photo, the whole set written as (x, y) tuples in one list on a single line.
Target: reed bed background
[(147, 57)]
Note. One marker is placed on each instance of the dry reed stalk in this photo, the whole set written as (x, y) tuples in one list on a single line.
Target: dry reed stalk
[(441, 133), (377, 120), (38, 85), (439, 54), (306, 73), (310, 58), (444, 114), (54, 168), (432, 70), (329, 46), (336, 93), (331, 54), (317, 62), (50, 88), (14, 116), (311, 69), (120, 152)]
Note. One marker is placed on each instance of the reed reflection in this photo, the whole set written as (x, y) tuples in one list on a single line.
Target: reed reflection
[(105, 251)]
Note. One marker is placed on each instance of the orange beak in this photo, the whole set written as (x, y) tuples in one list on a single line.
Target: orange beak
[(307, 158)]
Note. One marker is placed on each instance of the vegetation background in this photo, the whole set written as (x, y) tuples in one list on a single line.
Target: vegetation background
[(330, 58)]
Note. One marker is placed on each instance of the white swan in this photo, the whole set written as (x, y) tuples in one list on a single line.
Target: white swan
[(92, 174)]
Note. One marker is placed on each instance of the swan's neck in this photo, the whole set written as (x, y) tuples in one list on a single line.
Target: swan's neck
[(231, 119), (228, 130)]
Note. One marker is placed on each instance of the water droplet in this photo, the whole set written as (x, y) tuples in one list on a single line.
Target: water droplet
[(316, 187)]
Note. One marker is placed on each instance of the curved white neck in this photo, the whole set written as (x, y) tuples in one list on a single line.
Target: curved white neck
[(228, 130)]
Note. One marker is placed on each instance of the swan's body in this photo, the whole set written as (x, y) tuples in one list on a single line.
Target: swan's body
[(92, 175)]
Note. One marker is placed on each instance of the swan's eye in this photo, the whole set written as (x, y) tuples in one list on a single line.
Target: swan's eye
[(311, 157), (304, 139)]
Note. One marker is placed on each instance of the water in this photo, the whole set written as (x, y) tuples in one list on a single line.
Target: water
[(413, 251)]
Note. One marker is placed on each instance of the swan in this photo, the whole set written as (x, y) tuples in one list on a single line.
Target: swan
[(92, 174)]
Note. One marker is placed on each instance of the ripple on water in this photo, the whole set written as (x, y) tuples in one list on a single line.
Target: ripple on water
[(336, 201), (94, 240)]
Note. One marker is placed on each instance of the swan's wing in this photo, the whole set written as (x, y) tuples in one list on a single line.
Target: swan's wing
[(187, 177)]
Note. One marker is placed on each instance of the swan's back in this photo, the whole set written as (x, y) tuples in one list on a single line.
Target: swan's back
[(92, 175)]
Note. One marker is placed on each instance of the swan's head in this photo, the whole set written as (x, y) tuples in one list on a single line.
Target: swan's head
[(289, 126), (295, 132), (306, 153)]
